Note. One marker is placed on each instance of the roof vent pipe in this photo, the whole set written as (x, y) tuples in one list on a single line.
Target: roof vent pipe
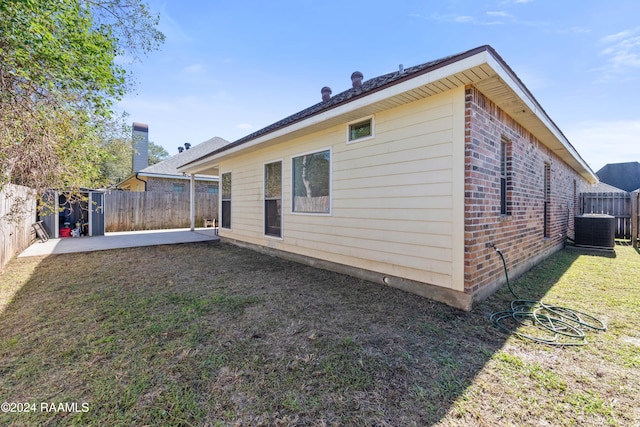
[(401, 68), (180, 149), (356, 79), (326, 93), (187, 145)]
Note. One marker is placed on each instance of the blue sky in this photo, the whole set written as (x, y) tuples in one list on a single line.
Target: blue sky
[(230, 68)]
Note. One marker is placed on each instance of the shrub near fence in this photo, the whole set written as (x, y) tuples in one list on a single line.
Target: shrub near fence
[(155, 210), (17, 214)]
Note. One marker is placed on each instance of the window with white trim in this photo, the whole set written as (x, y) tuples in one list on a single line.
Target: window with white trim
[(273, 199), (311, 175), (360, 130), (226, 200)]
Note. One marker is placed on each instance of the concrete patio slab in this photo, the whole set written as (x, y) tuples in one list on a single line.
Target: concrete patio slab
[(116, 240)]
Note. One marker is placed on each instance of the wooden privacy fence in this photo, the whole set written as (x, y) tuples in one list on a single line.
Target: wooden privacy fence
[(154, 210), (320, 204), (622, 206), (17, 215)]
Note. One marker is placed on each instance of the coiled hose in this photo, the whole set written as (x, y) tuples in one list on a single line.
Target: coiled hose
[(544, 323)]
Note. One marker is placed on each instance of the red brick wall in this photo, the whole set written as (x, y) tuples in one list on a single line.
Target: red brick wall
[(520, 233), (166, 184)]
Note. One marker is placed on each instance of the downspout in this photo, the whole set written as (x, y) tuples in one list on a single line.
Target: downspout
[(144, 182)]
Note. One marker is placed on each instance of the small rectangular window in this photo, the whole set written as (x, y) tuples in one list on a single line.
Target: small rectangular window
[(312, 183), (226, 201), (273, 199), (212, 189), (178, 188), (360, 130), (547, 200), (504, 177)]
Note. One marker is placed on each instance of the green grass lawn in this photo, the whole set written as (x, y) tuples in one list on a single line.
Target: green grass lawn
[(215, 335)]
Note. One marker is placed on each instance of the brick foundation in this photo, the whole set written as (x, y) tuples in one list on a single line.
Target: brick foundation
[(166, 184)]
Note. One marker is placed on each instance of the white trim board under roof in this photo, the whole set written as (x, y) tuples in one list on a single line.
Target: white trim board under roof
[(481, 67), (212, 178)]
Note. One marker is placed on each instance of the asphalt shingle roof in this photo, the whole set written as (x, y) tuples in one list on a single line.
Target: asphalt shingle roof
[(170, 165), (603, 187), (368, 87), (625, 176)]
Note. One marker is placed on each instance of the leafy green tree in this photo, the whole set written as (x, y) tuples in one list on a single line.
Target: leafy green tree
[(117, 164), (58, 81), (157, 153), (117, 161), (118, 147)]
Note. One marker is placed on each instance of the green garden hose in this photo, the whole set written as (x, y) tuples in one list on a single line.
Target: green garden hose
[(544, 323)]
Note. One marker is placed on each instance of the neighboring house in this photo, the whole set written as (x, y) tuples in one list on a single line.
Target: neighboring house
[(164, 176), (408, 179), (625, 176), (602, 187)]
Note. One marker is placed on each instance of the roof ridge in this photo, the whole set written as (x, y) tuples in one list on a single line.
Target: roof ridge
[(171, 164)]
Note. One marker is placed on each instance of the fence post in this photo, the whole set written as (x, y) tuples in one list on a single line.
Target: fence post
[(635, 218)]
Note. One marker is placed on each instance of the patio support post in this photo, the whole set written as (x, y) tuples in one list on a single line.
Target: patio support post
[(192, 200)]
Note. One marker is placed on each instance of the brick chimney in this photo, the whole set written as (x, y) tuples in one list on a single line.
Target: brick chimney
[(140, 136)]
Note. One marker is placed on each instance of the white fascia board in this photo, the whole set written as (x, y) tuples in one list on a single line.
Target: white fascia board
[(206, 178), (171, 176)]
